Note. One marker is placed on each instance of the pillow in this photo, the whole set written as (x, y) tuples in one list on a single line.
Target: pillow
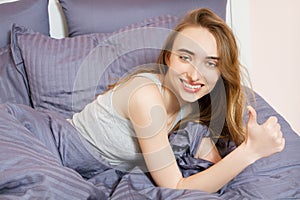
[(33, 14), (29, 13), (50, 65), (91, 16), (13, 86), (64, 74), (132, 46)]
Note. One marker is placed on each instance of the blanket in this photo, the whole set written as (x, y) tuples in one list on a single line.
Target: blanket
[(42, 156)]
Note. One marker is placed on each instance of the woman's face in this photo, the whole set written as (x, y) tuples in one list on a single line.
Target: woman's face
[(193, 64)]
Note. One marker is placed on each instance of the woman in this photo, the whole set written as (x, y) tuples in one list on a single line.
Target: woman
[(198, 78)]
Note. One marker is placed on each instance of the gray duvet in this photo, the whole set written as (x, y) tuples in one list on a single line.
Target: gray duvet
[(38, 160)]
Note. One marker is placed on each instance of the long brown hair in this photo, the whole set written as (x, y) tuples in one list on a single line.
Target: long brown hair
[(222, 109), (225, 103)]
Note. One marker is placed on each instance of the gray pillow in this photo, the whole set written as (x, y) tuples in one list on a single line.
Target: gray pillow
[(33, 14), (13, 86), (66, 74), (29, 13), (91, 16)]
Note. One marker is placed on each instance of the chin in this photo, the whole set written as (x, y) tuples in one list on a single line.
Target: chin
[(191, 98)]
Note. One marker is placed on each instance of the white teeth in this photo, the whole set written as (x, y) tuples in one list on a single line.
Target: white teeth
[(191, 86)]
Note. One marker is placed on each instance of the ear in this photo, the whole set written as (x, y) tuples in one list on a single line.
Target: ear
[(167, 58)]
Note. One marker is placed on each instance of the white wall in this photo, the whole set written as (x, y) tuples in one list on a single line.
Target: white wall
[(58, 28), (5, 1), (275, 42), (238, 18), (268, 33)]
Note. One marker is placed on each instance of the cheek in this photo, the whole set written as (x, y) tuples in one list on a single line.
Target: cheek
[(213, 77), (175, 65)]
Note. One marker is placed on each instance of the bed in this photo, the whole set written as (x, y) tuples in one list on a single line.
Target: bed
[(45, 80)]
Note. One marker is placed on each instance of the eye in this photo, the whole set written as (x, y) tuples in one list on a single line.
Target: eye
[(185, 58), (211, 64)]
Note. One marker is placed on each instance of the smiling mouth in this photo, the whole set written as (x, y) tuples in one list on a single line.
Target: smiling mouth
[(192, 87)]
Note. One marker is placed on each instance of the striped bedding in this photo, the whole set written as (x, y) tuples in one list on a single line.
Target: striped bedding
[(40, 161)]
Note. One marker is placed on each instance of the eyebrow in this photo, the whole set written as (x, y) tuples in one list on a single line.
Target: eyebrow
[(192, 53), (187, 51)]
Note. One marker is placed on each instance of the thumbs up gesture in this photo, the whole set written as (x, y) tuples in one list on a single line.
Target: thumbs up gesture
[(265, 139)]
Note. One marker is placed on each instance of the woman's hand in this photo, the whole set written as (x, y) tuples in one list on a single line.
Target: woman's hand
[(265, 139)]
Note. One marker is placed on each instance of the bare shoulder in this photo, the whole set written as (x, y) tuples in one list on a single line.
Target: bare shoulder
[(137, 93)]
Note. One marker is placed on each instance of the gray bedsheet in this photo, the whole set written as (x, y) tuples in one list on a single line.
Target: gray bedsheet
[(38, 160)]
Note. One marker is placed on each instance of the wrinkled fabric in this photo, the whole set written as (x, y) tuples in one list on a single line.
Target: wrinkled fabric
[(185, 143), (42, 156)]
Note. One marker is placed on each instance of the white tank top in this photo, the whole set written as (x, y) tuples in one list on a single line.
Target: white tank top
[(111, 134)]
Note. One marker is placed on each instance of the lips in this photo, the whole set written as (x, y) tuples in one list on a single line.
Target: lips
[(191, 87)]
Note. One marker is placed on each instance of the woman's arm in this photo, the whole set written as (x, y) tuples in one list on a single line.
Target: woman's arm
[(147, 112), (261, 141), (207, 150)]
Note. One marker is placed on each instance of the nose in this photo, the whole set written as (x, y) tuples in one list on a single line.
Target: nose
[(194, 73)]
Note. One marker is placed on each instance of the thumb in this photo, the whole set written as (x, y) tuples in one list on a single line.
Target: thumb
[(252, 115)]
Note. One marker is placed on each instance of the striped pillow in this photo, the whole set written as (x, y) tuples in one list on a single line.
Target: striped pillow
[(66, 74), (13, 86), (30, 13)]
